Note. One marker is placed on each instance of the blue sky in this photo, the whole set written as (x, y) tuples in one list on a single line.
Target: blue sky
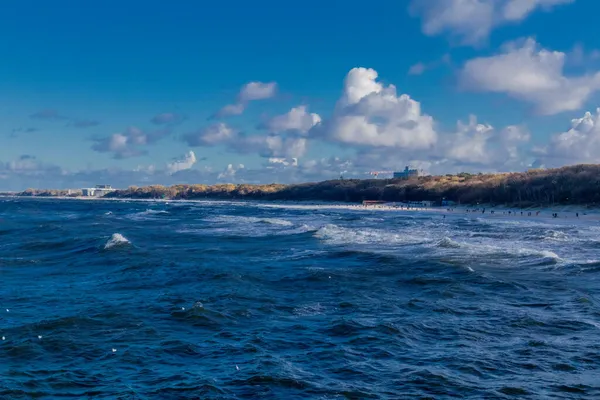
[(81, 85)]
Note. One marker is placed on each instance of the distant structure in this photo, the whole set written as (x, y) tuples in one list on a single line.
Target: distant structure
[(97, 191), (407, 173), (377, 173)]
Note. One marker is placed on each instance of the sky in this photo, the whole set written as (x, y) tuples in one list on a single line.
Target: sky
[(136, 93)]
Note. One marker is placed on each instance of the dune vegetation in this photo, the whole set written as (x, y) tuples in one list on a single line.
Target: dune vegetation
[(578, 184)]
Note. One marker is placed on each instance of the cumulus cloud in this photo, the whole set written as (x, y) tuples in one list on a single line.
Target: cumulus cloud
[(230, 109), (469, 143), (373, 115), (579, 144), (273, 146), (532, 74), (181, 164), (251, 91), (471, 21), (129, 143), (21, 172), (213, 135), (268, 146), (230, 171), (471, 146), (167, 119), (482, 145), (298, 119), (257, 91)]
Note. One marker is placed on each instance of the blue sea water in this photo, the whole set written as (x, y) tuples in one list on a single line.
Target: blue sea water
[(222, 300)]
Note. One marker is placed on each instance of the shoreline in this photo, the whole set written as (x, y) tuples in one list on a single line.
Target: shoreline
[(564, 212)]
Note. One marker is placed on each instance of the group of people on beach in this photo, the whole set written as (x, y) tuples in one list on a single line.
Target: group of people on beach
[(468, 210)]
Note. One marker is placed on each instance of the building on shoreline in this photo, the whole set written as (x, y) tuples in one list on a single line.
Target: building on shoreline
[(407, 173), (97, 191)]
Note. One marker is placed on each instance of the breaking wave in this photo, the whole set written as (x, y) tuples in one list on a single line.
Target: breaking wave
[(145, 215), (252, 220), (116, 240), (486, 249), (334, 234)]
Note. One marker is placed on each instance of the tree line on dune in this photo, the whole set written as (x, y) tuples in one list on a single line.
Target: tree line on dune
[(579, 184)]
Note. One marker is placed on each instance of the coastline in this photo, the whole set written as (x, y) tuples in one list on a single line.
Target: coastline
[(565, 212)]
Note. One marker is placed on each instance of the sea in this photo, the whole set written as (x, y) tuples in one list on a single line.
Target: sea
[(247, 300)]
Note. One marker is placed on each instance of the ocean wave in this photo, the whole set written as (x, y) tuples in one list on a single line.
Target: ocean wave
[(252, 220), (146, 215), (116, 240), (298, 230), (491, 250), (334, 234)]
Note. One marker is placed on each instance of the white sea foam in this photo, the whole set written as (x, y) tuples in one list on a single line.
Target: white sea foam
[(556, 236), (252, 220), (298, 230), (309, 310), (145, 215), (116, 240), (487, 249), (334, 234)]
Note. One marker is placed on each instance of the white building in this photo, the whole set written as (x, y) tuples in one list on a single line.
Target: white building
[(98, 191)]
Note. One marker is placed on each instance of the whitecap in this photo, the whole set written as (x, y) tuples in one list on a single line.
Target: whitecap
[(116, 240), (334, 234), (252, 220), (490, 250), (145, 215), (298, 230)]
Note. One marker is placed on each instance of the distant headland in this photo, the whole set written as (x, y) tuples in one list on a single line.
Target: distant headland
[(572, 185)]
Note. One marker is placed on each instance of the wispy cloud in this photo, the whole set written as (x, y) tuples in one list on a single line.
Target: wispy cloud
[(251, 91), (471, 21), (83, 123), (48, 114), (168, 119)]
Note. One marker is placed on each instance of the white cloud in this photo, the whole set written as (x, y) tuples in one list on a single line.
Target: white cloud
[(297, 119), (212, 135), (271, 145), (531, 74), (289, 147), (230, 171), (127, 143), (469, 144), (517, 10), (187, 162), (231, 109), (251, 91), (579, 144), (483, 145), (283, 161), (257, 91), (372, 115), (471, 21)]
